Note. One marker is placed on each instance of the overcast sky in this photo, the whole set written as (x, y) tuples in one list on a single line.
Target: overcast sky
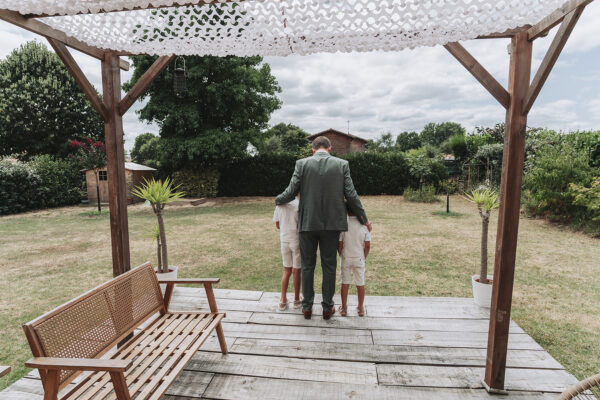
[(382, 92)]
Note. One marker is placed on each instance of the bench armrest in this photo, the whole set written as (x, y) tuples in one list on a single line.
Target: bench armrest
[(79, 364), (207, 282), (4, 370)]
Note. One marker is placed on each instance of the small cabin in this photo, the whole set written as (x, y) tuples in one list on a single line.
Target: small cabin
[(342, 143), (134, 176)]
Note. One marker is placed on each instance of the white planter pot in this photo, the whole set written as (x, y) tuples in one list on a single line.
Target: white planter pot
[(172, 274), (482, 293)]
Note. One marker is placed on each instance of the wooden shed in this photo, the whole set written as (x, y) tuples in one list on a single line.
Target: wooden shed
[(134, 175), (342, 143)]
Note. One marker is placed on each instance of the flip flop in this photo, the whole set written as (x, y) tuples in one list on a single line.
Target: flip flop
[(298, 303), (283, 306), (361, 311), (343, 311)]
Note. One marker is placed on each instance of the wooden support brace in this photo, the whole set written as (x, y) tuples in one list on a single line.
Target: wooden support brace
[(142, 84), (85, 85), (541, 28), (40, 28), (551, 56), (479, 72)]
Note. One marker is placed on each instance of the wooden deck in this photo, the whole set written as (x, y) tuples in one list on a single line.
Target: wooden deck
[(405, 348)]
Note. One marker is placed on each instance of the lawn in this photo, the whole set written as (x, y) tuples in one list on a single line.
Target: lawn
[(49, 257)]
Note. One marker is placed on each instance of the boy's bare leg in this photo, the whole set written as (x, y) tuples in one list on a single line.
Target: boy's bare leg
[(361, 295), (345, 295), (297, 282), (285, 281)]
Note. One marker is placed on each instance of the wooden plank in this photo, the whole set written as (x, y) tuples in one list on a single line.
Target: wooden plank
[(389, 354), (323, 335), (78, 364), (232, 316), (115, 158), (449, 339), (85, 85), (441, 311), (190, 384), (142, 84), (479, 72), (549, 22), (544, 380), (285, 368), (229, 294), (509, 211), (377, 323), (550, 58), (242, 387), (40, 28), (506, 34), (4, 370)]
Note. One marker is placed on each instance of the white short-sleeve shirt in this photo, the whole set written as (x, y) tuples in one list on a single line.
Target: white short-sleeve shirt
[(287, 216), (354, 242)]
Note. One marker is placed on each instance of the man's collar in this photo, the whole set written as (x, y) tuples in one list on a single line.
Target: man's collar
[(321, 151)]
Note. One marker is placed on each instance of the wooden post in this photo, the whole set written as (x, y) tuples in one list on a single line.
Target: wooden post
[(508, 214), (115, 154)]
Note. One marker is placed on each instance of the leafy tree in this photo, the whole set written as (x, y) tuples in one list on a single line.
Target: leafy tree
[(383, 144), (458, 146), (146, 150), (90, 155), (285, 138), (436, 134), (408, 140), (496, 132), (228, 102), (41, 105)]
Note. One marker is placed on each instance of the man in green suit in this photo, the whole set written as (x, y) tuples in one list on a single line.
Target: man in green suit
[(323, 182)]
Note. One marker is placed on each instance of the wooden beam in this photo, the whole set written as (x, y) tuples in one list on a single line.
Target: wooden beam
[(85, 85), (479, 72), (149, 6), (549, 22), (508, 213), (551, 56), (142, 84), (40, 28), (506, 34), (115, 157)]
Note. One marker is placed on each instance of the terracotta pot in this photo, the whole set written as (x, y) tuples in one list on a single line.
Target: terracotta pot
[(482, 293)]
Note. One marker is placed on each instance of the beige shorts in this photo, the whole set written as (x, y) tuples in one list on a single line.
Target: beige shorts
[(358, 271), (290, 253)]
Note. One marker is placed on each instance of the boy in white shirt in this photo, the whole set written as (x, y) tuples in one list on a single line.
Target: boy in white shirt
[(286, 220), (354, 247)]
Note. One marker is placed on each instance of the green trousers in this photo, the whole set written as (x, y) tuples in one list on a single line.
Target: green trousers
[(327, 242)]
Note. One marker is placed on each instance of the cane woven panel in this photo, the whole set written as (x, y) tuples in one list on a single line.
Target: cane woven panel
[(96, 321)]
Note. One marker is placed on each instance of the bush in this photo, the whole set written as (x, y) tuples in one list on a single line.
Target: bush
[(425, 195), (379, 173), (202, 182), (61, 180), (20, 188), (425, 167)]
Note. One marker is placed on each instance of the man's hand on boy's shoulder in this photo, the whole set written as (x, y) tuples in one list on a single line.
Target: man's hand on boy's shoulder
[(369, 226)]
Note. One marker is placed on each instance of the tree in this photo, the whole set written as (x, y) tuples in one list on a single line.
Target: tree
[(436, 134), (42, 107), (90, 155), (408, 140), (382, 144), (146, 150), (496, 132), (286, 138), (228, 102)]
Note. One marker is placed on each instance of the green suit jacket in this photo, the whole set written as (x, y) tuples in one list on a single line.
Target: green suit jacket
[(323, 181)]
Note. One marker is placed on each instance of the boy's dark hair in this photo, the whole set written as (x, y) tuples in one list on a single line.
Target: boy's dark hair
[(348, 209), (321, 142)]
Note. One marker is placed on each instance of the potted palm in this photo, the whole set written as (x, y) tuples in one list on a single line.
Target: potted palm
[(486, 200), (159, 194)]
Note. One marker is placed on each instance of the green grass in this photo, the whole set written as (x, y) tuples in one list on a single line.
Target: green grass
[(94, 213), (445, 214), (49, 257)]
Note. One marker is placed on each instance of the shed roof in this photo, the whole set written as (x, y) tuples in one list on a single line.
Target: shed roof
[(135, 167), (331, 130), (278, 27)]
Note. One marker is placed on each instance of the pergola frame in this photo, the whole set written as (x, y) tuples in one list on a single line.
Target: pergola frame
[(517, 99)]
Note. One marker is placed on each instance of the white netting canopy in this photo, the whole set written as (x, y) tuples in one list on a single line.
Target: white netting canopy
[(279, 27)]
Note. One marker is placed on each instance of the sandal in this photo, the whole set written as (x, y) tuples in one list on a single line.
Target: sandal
[(283, 306), (298, 303), (343, 311), (360, 311)]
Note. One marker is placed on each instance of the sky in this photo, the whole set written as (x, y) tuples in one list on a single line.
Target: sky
[(381, 92)]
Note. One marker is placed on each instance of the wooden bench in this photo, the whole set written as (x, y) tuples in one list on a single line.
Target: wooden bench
[(73, 338)]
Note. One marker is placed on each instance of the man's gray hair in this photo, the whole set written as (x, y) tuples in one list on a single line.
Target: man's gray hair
[(322, 142)]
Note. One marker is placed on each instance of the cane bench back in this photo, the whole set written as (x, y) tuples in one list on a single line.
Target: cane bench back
[(93, 323)]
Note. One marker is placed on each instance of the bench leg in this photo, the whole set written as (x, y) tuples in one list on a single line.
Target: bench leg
[(51, 383), (120, 385), (221, 337)]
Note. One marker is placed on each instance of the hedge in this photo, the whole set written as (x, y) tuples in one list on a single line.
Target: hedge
[(20, 188), (269, 174), (62, 180), (202, 182)]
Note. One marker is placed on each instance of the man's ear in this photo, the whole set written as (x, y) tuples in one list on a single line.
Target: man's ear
[(314, 150), (329, 149)]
